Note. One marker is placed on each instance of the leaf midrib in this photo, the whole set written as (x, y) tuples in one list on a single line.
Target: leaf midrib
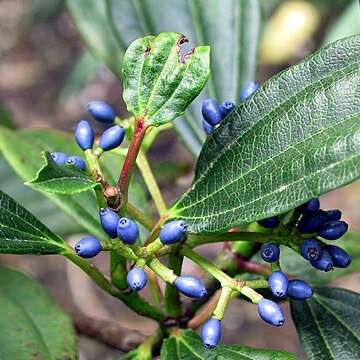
[(262, 164)]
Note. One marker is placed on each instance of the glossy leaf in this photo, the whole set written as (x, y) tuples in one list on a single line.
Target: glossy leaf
[(328, 324), (297, 137), (22, 233), (32, 325), (231, 28), (298, 267), (65, 179), (158, 81), (186, 344)]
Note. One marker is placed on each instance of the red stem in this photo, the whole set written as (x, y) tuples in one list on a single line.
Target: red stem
[(130, 160)]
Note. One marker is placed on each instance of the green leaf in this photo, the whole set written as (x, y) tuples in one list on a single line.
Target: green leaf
[(32, 325), (297, 137), (91, 19), (5, 117), (22, 233), (187, 345), (158, 81), (328, 324), (231, 28), (37, 204), (65, 179), (297, 266)]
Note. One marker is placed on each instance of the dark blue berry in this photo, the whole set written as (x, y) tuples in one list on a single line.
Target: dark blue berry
[(211, 333), (323, 262), (84, 135), (109, 221), (101, 111), (190, 286), (310, 249), (271, 222), (226, 107), (112, 138), (173, 231), (88, 247), (332, 230), (310, 207), (278, 283), (207, 127), (340, 257), (60, 158), (309, 223), (270, 312), (270, 252), (333, 215), (211, 112), (127, 231), (77, 161), (299, 290), (248, 90), (136, 279)]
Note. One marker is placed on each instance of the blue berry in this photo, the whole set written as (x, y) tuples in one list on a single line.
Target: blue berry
[(309, 223), (60, 158), (299, 290), (332, 230), (226, 107), (248, 90), (84, 135), (310, 249), (211, 333), (271, 222), (112, 138), (109, 221), (207, 127), (136, 279), (127, 231), (310, 207), (88, 247), (101, 111), (270, 312), (270, 252), (211, 112), (323, 262), (77, 161), (340, 257), (173, 231), (190, 286), (333, 215), (278, 284)]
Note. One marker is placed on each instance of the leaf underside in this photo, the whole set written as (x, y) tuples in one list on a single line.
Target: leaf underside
[(32, 325), (297, 137), (328, 324), (64, 179), (187, 345)]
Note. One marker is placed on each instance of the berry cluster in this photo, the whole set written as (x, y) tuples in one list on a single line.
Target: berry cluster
[(84, 135), (213, 113)]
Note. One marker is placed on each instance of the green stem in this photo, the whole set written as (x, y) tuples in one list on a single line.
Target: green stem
[(154, 247), (154, 287), (197, 240), (132, 300), (139, 216), (162, 271), (118, 270), (150, 181), (122, 250), (172, 296), (251, 294), (156, 230), (223, 302)]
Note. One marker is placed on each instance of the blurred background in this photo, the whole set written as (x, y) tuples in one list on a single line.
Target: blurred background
[(48, 75)]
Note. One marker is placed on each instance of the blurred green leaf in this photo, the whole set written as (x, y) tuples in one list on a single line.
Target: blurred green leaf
[(32, 325), (328, 324), (22, 233), (158, 81), (186, 344), (65, 179), (345, 25), (295, 138), (5, 117)]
